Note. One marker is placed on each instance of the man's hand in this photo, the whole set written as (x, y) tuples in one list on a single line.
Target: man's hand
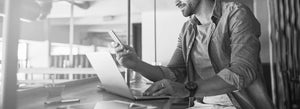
[(167, 87), (126, 55)]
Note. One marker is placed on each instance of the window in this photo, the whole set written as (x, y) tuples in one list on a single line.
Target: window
[(53, 43), (58, 38)]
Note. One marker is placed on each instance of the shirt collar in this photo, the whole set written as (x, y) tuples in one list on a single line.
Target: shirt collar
[(216, 15)]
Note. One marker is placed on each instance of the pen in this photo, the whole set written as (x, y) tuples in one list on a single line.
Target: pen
[(70, 100), (137, 106), (63, 101)]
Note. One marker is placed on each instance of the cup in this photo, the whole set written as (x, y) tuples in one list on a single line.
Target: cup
[(54, 93)]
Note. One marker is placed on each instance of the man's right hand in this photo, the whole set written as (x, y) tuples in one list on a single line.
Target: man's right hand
[(126, 55)]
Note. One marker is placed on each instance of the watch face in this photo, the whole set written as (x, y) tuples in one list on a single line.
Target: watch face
[(191, 86)]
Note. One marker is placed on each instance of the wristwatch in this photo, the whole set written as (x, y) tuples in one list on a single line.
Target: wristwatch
[(192, 87)]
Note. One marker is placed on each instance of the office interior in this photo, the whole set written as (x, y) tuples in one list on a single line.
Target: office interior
[(45, 41)]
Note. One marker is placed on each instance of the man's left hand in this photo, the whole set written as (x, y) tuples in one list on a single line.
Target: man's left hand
[(167, 87)]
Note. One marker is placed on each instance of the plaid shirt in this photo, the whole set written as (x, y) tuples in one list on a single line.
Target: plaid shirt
[(233, 50)]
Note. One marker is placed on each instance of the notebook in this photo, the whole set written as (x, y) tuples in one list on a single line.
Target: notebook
[(112, 79)]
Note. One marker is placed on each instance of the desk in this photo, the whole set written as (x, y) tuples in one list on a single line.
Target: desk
[(85, 90)]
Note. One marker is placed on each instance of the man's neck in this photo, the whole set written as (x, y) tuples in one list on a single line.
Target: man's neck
[(204, 11)]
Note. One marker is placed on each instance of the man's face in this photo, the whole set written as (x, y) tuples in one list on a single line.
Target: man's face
[(187, 7)]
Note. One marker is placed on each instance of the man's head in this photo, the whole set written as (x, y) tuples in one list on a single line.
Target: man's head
[(187, 7)]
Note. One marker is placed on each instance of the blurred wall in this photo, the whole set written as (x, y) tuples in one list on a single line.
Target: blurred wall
[(38, 55), (261, 13), (169, 25), (60, 33), (32, 31)]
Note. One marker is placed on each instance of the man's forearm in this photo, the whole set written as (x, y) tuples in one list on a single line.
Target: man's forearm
[(151, 72), (213, 86)]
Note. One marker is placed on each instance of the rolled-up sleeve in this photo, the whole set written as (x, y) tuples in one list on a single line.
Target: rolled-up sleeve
[(168, 73), (174, 73), (245, 47)]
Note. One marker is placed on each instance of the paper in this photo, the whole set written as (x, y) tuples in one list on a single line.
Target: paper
[(117, 104)]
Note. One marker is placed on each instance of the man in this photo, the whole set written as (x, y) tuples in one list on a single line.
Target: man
[(219, 47)]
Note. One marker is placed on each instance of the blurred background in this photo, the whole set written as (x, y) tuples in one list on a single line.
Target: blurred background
[(55, 35)]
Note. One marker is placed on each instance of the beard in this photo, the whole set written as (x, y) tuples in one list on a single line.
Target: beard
[(188, 10), (186, 13)]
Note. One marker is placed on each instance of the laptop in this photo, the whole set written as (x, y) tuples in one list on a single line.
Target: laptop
[(112, 79)]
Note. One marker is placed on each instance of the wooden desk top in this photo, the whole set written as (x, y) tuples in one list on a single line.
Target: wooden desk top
[(85, 90)]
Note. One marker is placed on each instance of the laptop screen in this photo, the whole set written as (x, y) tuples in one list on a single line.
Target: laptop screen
[(108, 73)]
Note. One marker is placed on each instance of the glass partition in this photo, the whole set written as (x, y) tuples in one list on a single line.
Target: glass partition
[(55, 35), (54, 40)]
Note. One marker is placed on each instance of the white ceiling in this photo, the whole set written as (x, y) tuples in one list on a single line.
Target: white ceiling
[(109, 7)]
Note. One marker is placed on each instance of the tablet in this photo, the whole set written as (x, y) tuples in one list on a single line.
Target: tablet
[(115, 37)]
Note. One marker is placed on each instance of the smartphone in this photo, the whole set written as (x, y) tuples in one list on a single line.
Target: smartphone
[(115, 37)]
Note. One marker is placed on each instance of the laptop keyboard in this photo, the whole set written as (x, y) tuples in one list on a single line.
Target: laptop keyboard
[(136, 92)]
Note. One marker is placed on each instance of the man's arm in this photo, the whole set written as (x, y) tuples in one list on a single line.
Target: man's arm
[(213, 86), (153, 73), (175, 70), (126, 56), (243, 67)]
